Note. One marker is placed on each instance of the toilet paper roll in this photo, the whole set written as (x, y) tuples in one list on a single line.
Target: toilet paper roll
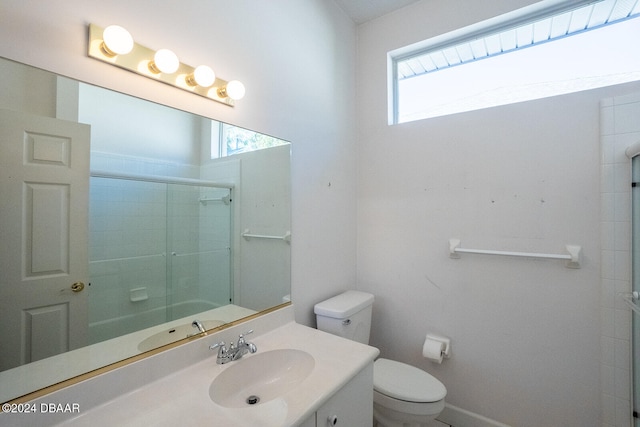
[(433, 350)]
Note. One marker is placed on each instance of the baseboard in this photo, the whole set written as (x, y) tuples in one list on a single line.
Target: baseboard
[(458, 417)]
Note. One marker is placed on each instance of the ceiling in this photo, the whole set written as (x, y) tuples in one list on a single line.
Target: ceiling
[(365, 10)]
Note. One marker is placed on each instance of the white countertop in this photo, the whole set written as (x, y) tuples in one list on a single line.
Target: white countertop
[(182, 397), (42, 373)]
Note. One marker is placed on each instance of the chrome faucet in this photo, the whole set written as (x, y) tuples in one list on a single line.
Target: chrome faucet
[(234, 352), (196, 324)]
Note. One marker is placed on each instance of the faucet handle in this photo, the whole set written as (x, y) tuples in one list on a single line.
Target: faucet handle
[(248, 345), (222, 350), (241, 337)]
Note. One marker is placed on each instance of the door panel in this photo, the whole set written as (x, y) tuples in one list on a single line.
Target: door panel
[(46, 229), (44, 185), (46, 331)]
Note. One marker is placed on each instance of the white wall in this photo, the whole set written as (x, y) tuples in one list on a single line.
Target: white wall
[(297, 60), (525, 177)]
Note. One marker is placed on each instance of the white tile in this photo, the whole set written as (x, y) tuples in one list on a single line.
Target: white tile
[(622, 177), (607, 264), (607, 178), (607, 235), (607, 377), (608, 409), (622, 349), (608, 322), (608, 294), (607, 206), (607, 351), (622, 99), (607, 102), (622, 206), (627, 118), (622, 383), (622, 265), (623, 413), (622, 233), (622, 324), (608, 149), (621, 287), (607, 121), (621, 143)]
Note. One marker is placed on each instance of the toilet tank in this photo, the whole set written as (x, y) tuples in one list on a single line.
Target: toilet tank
[(347, 315)]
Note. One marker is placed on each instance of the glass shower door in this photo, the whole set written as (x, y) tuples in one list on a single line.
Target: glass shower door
[(159, 251), (199, 242), (127, 256)]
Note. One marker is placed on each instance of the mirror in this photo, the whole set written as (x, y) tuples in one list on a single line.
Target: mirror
[(123, 222)]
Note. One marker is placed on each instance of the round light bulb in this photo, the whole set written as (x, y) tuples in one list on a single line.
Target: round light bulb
[(202, 75), (235, 90), (164, 61), (116, 41)]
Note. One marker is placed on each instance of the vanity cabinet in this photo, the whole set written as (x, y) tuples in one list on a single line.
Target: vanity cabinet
[(351, 406)]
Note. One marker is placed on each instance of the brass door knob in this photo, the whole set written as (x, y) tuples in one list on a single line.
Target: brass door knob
[(77, 287)]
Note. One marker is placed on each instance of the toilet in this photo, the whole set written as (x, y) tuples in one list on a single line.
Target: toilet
[(403, 395)]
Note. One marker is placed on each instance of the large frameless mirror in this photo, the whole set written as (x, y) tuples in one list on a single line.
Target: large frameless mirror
[(123, 222)]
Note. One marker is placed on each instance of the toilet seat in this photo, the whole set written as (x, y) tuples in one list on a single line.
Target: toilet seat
[(405, 382)]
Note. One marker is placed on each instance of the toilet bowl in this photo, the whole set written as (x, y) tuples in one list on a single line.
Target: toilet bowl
[(403, 395)]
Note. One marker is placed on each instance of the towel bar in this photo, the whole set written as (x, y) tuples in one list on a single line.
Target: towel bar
[(574, 256)]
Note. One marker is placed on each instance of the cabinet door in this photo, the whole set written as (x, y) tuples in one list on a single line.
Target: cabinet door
[(309, 422), (352, 406)]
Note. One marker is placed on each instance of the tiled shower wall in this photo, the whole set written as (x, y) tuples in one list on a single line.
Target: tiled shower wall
[(619, 128), (129, 247)]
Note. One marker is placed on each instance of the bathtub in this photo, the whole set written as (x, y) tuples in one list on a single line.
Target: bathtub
[(125, 324)]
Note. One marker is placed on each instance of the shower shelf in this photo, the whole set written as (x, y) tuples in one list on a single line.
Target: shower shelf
[(574, 256)]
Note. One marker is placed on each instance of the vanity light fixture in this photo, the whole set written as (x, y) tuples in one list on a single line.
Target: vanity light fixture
[(203, 75), (164, 61), (116, 41), (114, 45), (234, 90)]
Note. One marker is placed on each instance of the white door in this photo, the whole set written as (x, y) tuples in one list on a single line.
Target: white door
[(44, 189)]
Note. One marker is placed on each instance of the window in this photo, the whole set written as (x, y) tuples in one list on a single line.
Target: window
[(234, 140), (528, 54)]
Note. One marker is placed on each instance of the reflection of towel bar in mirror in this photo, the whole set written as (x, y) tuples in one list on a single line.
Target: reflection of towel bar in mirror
[(247, 235), (574, 256)]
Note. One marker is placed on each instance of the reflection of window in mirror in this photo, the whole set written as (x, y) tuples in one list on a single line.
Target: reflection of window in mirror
[(227, 140)]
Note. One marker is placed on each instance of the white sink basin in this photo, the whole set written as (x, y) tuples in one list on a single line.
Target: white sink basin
[(260, 377), (174, 334)]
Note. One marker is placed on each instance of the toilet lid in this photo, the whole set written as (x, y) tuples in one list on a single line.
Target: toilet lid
[(406, 382)]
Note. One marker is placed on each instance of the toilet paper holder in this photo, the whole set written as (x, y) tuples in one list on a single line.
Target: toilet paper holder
[(446, 351)]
